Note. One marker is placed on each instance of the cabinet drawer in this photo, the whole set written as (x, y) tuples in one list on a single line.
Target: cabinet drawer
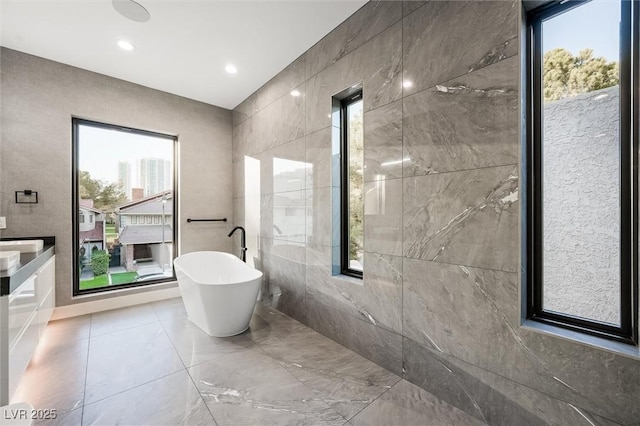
[(23, 303), (45, 280), (45, 310), (20, 353)]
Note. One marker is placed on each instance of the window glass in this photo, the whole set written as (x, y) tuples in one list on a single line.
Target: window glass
[(118, 177), (355, 179), (580, 166)]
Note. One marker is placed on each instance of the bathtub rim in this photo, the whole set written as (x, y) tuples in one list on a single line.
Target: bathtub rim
[(258, 273)]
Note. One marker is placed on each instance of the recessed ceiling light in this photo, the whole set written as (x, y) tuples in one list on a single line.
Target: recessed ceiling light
[(406, 84), (231, 69), (295, 93), (131, 10), (126, 45)]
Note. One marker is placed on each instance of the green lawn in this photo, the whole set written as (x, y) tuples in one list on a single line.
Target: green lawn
[(110, 232), (103, 281)]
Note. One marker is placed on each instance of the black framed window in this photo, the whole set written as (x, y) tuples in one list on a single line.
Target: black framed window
[(582, 155), (352, 184), (121, 174)]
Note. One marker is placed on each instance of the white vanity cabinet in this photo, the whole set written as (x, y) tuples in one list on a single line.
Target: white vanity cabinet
[(28, 310)]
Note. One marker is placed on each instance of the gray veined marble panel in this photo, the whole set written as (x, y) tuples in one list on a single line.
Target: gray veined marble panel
[(487, 396), (467, 312), (377, 65), (282, 216), (343, 379), (407, 404), (126, 359), (377, 298), (466, 218), (446, 39), (318, 155), (283, 83), (283, 169), (609, 383), (383, 142), (282, 121), (171, 400), (383, 217), (471, 314), (373, 18), (285, 288), (320, 212), (250, 388), (375, 343), (244, 110), (242, 141), (467, 123), (409, 6)]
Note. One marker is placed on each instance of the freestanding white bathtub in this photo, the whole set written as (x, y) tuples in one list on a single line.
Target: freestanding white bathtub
[(219, 291)]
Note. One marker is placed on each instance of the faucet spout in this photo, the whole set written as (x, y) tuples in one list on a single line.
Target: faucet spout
[(243, 241)]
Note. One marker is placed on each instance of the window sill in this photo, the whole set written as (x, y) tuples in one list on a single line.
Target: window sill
[(611, 346)]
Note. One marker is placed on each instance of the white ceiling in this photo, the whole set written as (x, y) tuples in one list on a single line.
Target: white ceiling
[(185, 46)]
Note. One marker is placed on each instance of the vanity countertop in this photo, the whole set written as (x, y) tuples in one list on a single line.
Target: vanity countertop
[(27, 266)]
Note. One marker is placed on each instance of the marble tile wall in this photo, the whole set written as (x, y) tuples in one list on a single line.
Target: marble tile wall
[(439, 299)]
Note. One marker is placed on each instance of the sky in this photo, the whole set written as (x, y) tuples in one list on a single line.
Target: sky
[(100, 150), (593, 25)]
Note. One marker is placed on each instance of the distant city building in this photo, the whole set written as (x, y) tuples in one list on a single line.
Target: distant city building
[(154, 175), (124, 177)]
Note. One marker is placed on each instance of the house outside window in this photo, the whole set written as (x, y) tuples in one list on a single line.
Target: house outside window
[(582, 198)]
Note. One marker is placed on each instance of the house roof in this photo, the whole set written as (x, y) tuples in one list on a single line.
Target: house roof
[(145, 234), (148, 205), (152, 207), (91, 209), (93, 235)]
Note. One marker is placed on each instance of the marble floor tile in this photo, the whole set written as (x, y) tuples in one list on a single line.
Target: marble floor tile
[(70, 418), (249, 388), (195, 346), (343, 379), (68, 330), (55, 378), (121, 319), (268, 323), (171, 400), (169, 308), (126, 359), (407, 404)]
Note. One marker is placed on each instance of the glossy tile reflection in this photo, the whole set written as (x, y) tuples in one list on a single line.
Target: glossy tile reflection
[(278, 372)]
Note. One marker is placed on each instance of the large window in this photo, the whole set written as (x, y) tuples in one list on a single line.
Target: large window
[(352, 173), (124, 181), (581, 178)]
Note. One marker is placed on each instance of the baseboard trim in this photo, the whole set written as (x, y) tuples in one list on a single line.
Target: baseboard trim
[(113, 303)]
